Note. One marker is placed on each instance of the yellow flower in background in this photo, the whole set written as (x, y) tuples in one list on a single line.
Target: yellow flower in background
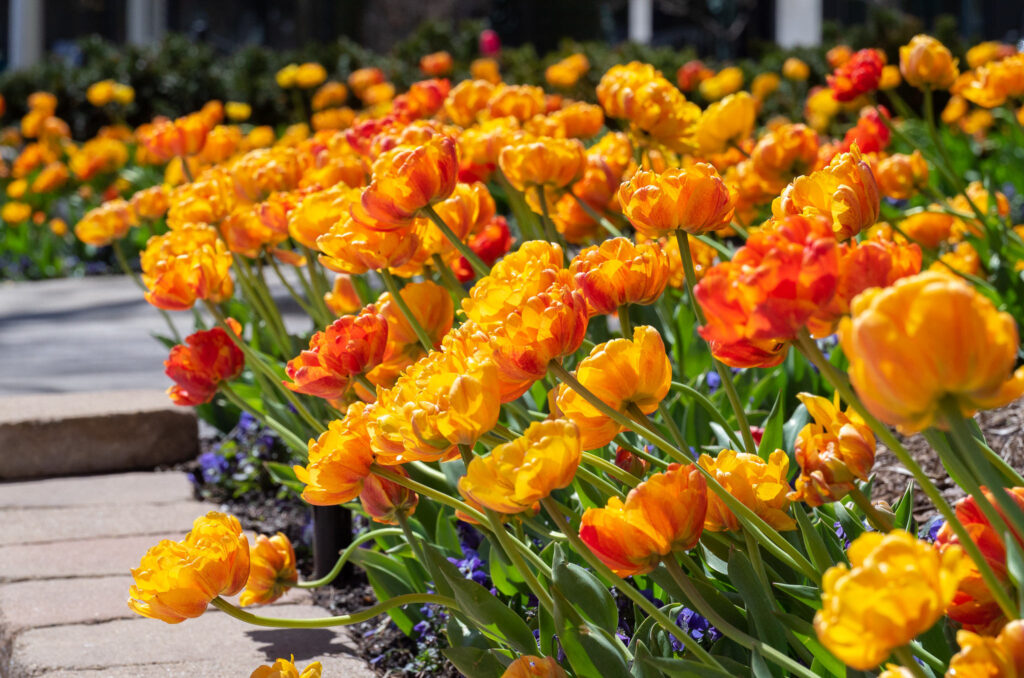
[(104, 224), (927, 338), (901, 176), (185, 265), (759, 485), (833, 452), (515, 476), (930, 229), (534, 667), (15, 212), (177, 580), (271, 572), (286, 76), (725, 82), (795, 69), (310, 75), (927, 64), (895, 588), (567, 72), (17, 189), (725, 123), (237, 111), (891, 78), (284, 668), (339, 460), (622, 373), (988, 657), (100, 93), (962, 258), (763, 85)]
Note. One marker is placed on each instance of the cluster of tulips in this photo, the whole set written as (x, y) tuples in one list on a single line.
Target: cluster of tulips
[(604, 337)]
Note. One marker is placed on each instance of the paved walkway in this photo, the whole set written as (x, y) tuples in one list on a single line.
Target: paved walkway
[(90, 334), (66, 547)]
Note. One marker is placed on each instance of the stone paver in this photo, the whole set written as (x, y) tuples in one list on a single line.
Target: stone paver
[(64, 582), (95, 432)]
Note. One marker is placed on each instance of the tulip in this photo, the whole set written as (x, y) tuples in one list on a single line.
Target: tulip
[(184, 265), (974, 606), (858, 75), (271, 572), (467, 100), (725, 123), (177, 580), (926, 63), (102, 225), (727, 81), (695, 200), (986, 657), (930, 229), (925, 339), (486, 69), (895, 588), (553, 162), (533, 667), (198, 366), (283, 668), (663, 514), (406, 179), (758, 484), (385, 500), (343, 298), (350, 247), (339, 460), (617, 272), (622, 373), (436, 64), (517, 475), (351, 345), (521, 102), (832, 452), (900, 176), (362, 79), (795, 69), (151, 203)]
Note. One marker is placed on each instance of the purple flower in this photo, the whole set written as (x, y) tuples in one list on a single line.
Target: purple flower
[(841, 533), (713, 380), (696, 626), (212, 466), (931, 530)]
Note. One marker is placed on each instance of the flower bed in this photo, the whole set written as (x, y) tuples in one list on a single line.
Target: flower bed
[(644, 349)]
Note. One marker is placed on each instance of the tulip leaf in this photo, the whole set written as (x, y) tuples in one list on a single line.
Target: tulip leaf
[(474, 662), (771, 439), (588, 595), (717, 599), (792, 428), (760, 607), (445, 534), (721, 436), (809, 595), (758, 666), (503, 575), (813, 543), (492, 617), (686, 668), (283, 474), (641, 667), (592, 651), (385, 586), (852, 526), (836, 549), (1015, 565), (822, 657), (904, 509)]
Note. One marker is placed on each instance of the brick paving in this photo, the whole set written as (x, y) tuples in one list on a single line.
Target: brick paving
[(66, 547)]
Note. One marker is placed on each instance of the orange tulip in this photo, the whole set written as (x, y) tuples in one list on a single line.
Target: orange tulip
[(350, 247), (985, 657), (385, 500), (533, 667), (845, 191), (784, 153), (466, 100), (552, 162), (694, 199), (342, 298), (486, 69), (436, 64), (832, 452), (663, 514), (930, 229), (318, 212), (974, 606), (177, 580), (925, 339), (184, 265), (151, 203), (762, 297), (330, 95), (546, 327), (166, 139), (362, 79), (406, 179), (271, 572), (104, 224), (197, 367), (622, 373), (517, 475), (758, 484), (351, 345), (521, 102), (901, 176), (617, 272), (339, 460), (284, 668)]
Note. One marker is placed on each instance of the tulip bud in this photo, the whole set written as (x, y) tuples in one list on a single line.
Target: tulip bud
[(386, 500), (631, 463)]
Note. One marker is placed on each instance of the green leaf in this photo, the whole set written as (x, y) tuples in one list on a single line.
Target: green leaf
[(385, 586), (822, 657), (474, 662), (792, 428), (284, 475), (852, 526), (588, 594), (758, 666), (720, 435), (760, 607), (1015, 565), (685, 668), (904, 509), (592, 651), (809, 595), (772, 438), (503, 575), (492, 617), (445, 534), (813, 543)]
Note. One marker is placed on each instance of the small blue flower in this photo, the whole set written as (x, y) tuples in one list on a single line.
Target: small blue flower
[(696, 626), (841, 533), (713, 380), (212, 466), (931, 529)]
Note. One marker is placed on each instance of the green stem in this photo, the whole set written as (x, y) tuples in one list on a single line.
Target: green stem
[(186, 170), (599, 218), (723, 371), (622, 585), (346, 554), (878, 520), (839, 382), (625, 323), (550, 232), (341, 620), (392, 286), (505, 540), (603, 485), (673, 428), (611, 469), (727, 629), (906, 656), (366, 383), (427, 491), (475, 262), (448, 278), (295, 295), (318, 280), (710, 408)]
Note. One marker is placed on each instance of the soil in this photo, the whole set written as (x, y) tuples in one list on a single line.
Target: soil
[(1004, 431)]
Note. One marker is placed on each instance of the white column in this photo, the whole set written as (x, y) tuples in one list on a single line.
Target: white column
[(641, 20), (797, 23), (25, 32), (146, 21)]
